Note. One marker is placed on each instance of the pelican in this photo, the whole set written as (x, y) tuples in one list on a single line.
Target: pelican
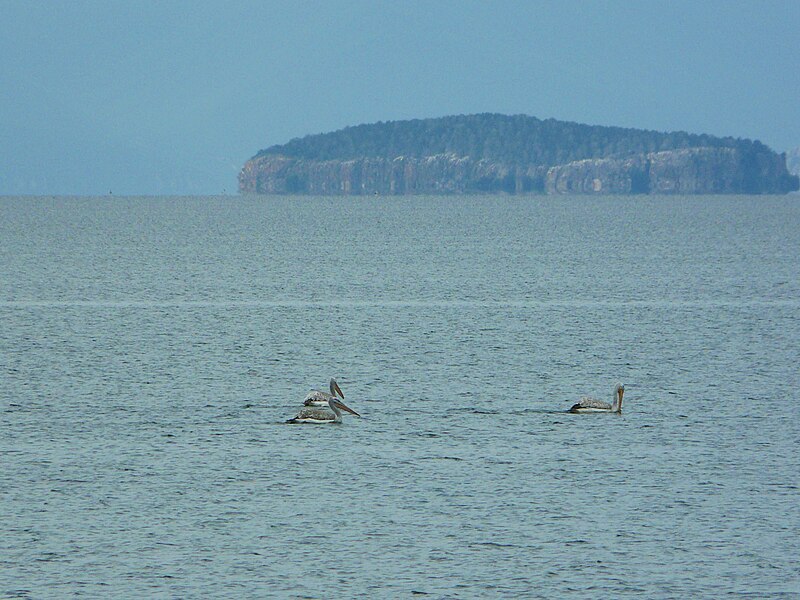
[(314, 414), (590, 405), (317, 398)]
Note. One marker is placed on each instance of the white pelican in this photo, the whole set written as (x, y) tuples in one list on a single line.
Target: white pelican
[(590, 405), (314, 414), (317, 398)]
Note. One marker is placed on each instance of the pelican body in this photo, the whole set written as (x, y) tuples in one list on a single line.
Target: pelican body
[(318, 398), (318, 415), (590, 405)]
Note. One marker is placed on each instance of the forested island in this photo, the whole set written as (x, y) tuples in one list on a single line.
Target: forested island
[(494, 153)]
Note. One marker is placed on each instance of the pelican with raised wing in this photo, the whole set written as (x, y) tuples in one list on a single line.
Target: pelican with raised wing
[(590, 405), (318, 398), (317, 415)]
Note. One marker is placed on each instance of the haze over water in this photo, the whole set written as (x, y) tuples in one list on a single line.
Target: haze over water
[(151, 349)]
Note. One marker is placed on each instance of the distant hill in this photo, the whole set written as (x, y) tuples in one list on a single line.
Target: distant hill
[(513, 154)]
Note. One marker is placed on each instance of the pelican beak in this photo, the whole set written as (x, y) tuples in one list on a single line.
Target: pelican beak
[(338, 390), (341, 406), (621, 391)]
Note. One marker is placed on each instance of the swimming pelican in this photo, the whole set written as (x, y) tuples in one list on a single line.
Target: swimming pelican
[(317, 398), (315, 414), (590, 405)]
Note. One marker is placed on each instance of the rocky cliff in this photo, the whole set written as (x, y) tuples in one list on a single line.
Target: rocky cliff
[(687, 171), (793, 161), (514, 155), (439, 174)]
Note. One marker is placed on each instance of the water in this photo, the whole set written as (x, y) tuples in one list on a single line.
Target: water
[(151, 349)]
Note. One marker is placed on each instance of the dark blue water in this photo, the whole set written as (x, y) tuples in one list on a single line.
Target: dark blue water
[(151, 348)]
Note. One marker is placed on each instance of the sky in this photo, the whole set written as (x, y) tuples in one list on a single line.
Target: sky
[(172, 97)]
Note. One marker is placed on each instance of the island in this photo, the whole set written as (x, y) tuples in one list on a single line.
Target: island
[(513, 154)]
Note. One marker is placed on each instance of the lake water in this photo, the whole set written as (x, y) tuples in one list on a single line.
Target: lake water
[(152, 348)]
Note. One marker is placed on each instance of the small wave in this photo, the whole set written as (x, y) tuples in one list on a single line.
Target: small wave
[(494, 545)]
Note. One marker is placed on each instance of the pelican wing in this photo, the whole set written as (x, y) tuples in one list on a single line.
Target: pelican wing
[(313, 413), (588, 403), (316, 398)]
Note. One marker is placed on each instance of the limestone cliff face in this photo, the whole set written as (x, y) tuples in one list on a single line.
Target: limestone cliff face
[(793, 161), (718, 170), (685, 171), (599, 176), (439, 174)]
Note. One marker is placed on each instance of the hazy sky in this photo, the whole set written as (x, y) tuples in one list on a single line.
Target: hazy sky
[(166, 97)]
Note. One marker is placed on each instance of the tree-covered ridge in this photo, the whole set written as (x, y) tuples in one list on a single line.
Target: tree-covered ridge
[(512, 140)]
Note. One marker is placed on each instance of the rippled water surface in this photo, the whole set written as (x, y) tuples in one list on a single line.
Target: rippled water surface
[(151, 348)]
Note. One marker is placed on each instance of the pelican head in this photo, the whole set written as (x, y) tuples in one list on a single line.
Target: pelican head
[(335, 389), (337, 407)]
